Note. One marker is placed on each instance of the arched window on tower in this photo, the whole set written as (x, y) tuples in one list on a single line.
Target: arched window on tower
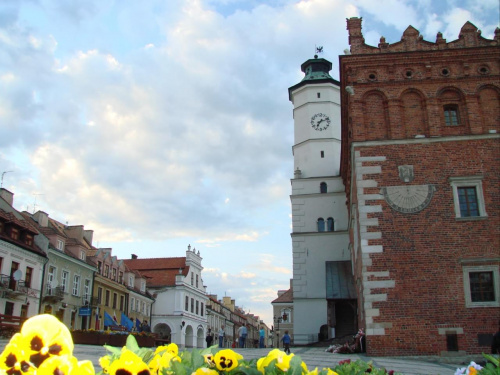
[(322, 188), (321, 225), (330, 225)]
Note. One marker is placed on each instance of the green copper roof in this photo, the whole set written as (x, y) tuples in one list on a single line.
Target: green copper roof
[(316, 69)]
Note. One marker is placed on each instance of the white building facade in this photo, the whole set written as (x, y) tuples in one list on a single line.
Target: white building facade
[(322, 281), (179, 312)]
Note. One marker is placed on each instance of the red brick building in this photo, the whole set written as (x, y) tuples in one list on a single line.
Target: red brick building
[(421, 166)]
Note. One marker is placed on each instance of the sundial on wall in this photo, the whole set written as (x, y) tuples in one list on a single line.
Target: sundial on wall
[(409, 198)]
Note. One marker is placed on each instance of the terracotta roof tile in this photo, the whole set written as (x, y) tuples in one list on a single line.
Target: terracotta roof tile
[(286, 297), (159, 271)]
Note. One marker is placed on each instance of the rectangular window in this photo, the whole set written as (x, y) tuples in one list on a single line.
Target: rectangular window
[(192, 305), (451, 117), (115, 300), (114, 274), (99, 295), (120, 277), (28, 277), (50, 279), (322, 154), (60, 245), (122, 302), (76, 285), (144, 307), (481, 285), (99, 267), (132, 303), (86, 287), (29, 240), (197, 306), (106, 270), (201, 308), (318, 95), (468, 197), (197, 281), (131, 281), (82, 255), (186, 307), (106, 302), (137, 305), (64, 281), (14, 233)]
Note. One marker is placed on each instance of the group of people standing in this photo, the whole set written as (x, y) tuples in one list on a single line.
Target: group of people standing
[(221, 334), (242, 337)]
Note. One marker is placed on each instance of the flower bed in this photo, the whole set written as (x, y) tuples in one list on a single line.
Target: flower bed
[(108, 338), (45, 347)]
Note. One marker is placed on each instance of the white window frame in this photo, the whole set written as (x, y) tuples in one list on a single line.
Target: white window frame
[(76, 285), (86, 286), (496, 285), (132, 304), (472, 181), (143, 286), (131, 281), (64, 280), (82, 255), (60, 245)]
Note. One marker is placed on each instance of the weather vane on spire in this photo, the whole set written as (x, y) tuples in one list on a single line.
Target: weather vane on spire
[(319, 49)]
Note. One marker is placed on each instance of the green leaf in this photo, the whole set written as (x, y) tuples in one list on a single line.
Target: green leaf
[(132, 344), (113, 349)]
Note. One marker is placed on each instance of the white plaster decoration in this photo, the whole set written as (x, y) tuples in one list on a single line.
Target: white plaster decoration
[(366, 209), (372, 249), (371, 235)]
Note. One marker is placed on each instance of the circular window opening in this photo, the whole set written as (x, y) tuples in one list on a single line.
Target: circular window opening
[(372, 76), (409, 74), (484, 70), (445, 72)]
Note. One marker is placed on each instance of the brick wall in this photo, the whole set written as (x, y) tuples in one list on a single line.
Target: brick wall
[(409, 267)]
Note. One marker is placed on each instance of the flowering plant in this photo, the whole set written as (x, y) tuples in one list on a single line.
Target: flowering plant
[(45, 347)]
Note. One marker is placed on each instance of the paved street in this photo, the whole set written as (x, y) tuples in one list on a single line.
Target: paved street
[(317, 357)]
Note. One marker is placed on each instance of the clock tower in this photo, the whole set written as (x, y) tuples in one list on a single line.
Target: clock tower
[(322, 279)]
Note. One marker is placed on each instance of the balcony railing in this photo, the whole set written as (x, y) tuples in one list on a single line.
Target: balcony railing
[(15, 288), (87, 301), (53, 294)]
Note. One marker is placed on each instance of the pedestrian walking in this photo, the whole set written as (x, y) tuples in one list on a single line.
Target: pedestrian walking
[(286, 342), (262, 335), (222, 333), (242, 335)]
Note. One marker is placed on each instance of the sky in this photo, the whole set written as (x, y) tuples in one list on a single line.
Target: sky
[(163, 123)]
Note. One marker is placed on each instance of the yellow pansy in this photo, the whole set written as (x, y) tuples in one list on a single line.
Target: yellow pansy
[(161, 361), (44, 336), (65, 365), (105, 362), (330, 371), (209, 359), (205, 371), (282, 361), (129, 363), (15, 358), (226, 359), (170, 348)]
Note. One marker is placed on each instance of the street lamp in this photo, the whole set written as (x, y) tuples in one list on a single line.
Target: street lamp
[(278, 320)]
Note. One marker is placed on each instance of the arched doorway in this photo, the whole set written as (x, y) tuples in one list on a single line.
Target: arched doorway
[(200, 337), (163, 331), (190, 343)]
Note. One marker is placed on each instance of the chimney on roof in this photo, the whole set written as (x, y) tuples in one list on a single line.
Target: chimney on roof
[(7, 196), (41, 218), (88, 235), (134, 256)]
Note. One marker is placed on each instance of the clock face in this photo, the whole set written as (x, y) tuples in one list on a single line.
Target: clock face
[(320, 121)]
